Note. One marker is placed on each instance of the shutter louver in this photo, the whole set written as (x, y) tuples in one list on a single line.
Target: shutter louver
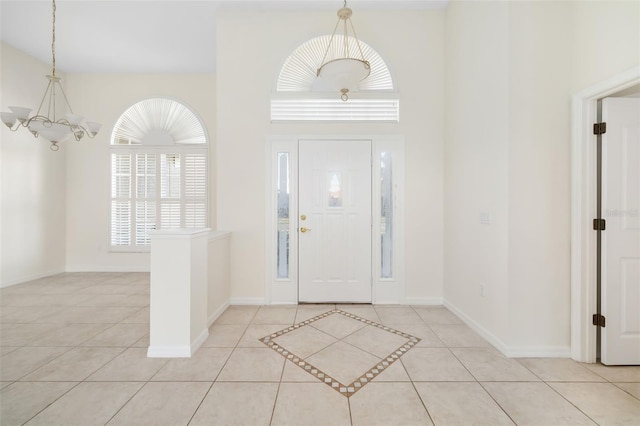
[(195, 190), (380, 110), (120, 175), (170, 175), (170, 215), (195, 215), (145, 221), (120, 199), (195, 176), (146, 175), (145, 197), (120, 223)]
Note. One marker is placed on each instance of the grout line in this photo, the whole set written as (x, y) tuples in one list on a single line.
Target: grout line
[(497, 403), (624, 390), (421, 400), (105, 281), (52, 402), (570, 402)]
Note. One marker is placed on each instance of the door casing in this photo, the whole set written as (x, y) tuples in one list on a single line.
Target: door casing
[(285, 290), (584, 209)]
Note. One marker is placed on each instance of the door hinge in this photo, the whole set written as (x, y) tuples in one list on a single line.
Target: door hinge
[(599, 320), (599, 224), (599, 128)]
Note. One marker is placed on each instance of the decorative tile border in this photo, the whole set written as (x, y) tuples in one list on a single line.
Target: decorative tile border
[(360, 382)]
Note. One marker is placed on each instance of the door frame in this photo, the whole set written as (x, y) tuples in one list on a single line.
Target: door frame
[(584, 113), (285, 290)]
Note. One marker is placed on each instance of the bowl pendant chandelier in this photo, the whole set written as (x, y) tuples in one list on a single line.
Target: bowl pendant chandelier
[(345, 72), (49, 126)]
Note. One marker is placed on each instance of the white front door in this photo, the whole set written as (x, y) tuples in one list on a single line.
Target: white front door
[(620, 344), (334, 223)]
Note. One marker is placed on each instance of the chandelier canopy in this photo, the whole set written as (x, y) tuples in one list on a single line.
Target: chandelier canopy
[(348, 69), (47, 124)]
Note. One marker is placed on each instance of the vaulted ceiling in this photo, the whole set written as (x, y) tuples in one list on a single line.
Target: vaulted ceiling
[(143, 36)]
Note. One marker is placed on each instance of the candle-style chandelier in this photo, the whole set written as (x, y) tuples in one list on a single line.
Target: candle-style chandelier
[(49, 126)]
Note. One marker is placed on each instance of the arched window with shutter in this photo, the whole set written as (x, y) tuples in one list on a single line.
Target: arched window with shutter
[(159, 172)]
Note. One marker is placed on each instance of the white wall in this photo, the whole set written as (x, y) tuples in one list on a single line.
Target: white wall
[(539, 55), (539, 175), (104, 98), (476, 172), (32, 212), (610, 28), (218, 290), (252, 46)]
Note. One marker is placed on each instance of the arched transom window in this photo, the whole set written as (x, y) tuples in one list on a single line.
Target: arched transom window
[(301, 95)]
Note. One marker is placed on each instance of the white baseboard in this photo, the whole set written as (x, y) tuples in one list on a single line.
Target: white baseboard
[(483, 332), (195, 345), (169, 352), (423, 301), (216, 314), (539, 352), (145, 268), (178, 351), (507, 350), (246, 301), (31, 277)]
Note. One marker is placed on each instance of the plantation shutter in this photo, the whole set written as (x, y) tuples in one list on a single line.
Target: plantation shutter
[(379, 110), (170, 189), (158, 172), (195, 190), (120, 199), (145, 197)]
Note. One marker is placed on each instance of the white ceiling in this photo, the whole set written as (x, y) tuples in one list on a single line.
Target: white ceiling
[(142, 36)]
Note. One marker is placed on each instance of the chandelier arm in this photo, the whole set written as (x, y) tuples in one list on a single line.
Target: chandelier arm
[(52, 101), (326, 53), (355, 35), (78, 128), (46, 121), (64, 95), (345, 41), (46, 92)]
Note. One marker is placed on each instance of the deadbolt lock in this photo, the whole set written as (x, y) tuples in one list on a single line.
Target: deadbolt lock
[(303, 217)]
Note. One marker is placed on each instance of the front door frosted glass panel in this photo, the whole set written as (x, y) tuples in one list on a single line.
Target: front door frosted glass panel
[(283, 196), (334, 222), (386, 215)]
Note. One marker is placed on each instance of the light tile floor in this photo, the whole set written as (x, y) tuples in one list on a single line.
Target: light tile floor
[(73, 352)]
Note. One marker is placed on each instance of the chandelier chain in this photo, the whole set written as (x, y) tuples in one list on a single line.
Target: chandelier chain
[(53, 40)]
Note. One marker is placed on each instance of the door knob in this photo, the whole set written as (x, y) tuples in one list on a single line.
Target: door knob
[(303, 230)]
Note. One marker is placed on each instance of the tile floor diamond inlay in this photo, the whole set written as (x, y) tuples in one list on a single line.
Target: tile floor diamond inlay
[(285, 341)]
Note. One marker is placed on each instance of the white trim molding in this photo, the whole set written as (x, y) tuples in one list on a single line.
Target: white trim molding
[(169, 352), (506, 350), (216, 314), (422, 301), (178, 351), (583, 210), (247, 301), (31, 277)]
